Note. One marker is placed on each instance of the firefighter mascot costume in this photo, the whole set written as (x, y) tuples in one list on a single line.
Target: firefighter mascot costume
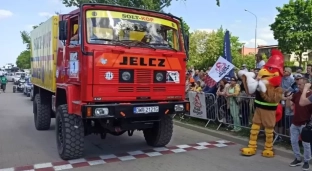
[(268, 111)]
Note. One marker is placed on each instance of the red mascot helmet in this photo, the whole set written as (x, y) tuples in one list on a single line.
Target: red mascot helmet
[(276, 60)]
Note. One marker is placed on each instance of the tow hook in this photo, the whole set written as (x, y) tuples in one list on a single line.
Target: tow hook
[(130, 133), (77, 124)]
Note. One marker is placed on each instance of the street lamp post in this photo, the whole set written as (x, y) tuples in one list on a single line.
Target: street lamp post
[(255, 29)]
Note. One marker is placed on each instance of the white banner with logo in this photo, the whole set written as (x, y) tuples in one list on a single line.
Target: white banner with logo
[(197, 105), (220, 69)]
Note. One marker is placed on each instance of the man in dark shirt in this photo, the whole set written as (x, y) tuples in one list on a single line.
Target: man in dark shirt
[(301, 116), (304, 100)]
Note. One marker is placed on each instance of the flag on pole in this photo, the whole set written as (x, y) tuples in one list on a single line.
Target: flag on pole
[(227, 51)]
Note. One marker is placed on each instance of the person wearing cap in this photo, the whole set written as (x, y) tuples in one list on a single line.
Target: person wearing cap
[(232, 92), (302, 114), (287, 80), (294, 86), (244, 67)]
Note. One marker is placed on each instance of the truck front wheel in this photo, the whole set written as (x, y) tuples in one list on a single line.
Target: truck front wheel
[(160, 134), (42, 114), (69, 134)]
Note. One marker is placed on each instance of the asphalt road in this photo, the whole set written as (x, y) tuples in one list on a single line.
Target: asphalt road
[(21, 145)]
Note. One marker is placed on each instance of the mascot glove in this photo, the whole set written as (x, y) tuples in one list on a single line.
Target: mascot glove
[(250, 81), (246, 73), (261, 86)]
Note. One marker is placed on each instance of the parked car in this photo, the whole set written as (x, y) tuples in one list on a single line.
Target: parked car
[(27, 87), (10, 76), (17, 76)]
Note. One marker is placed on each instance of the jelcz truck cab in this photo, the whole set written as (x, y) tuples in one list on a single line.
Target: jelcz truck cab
[(115, 70)]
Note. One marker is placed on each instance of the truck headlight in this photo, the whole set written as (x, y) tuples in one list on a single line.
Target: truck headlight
[(159, 77), (126, 76), (101, 111), (178, 108)]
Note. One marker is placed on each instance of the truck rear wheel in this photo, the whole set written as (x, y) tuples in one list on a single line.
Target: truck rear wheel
[(42, 114), (160, 135), (69, 134)]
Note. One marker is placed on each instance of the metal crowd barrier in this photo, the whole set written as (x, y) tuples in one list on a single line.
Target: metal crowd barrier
[(232, 114)]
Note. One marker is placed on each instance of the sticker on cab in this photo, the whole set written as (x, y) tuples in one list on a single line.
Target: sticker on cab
[(73, 65), (173, 77), (109, 75)]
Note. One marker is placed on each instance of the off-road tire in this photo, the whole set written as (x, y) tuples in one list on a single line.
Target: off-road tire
[(42, 114), (71, 128), (32, 97), (160, 135)]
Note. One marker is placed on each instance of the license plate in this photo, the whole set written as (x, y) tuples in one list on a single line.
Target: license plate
[(151, 109)]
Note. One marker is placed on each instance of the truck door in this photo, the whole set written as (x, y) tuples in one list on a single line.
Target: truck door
[(73, 55)]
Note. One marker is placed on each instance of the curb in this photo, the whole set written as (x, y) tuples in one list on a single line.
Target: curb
[(239, 140)]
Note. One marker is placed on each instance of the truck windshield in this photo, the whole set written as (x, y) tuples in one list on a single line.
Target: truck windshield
[(129, 29)]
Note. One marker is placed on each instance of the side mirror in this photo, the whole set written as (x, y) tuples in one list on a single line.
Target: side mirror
[(62, 30), (186, 42)]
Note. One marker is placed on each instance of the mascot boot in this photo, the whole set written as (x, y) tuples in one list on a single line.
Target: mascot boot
[(268, 146), (252, 146)]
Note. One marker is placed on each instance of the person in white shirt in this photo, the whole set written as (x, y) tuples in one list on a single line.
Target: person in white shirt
[(244, 67), (260, 61)]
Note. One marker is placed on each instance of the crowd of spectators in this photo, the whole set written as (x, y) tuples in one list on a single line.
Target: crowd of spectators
[(227, 91), (239, 105)]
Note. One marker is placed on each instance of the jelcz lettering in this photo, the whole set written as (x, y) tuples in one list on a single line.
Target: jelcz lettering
[(140, 61)]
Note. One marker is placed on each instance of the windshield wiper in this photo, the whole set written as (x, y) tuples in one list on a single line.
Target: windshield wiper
[(163, 45), (137, 42), (113, 41)]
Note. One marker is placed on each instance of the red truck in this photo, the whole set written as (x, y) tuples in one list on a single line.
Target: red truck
[(108, 69)]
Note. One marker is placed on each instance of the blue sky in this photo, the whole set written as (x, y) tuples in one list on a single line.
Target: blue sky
[(199, 14)]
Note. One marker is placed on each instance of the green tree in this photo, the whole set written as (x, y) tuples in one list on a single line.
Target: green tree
[(249, 60), (207, 47), (26, 37), (23, 60), (292, 27), (186, 27)]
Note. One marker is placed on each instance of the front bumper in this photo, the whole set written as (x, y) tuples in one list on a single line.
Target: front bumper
[(128, 110)]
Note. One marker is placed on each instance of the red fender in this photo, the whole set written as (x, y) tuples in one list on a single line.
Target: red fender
[(73, 98), (279, 112)]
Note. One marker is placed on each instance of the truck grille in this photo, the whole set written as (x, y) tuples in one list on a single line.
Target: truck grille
[(159, 89), (143, 89), (140, 77), (143, 76), (125, 89)]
